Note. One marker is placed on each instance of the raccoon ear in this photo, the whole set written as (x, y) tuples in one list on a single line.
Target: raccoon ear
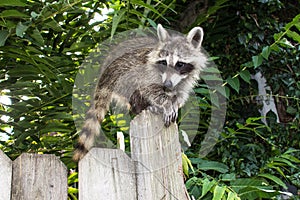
[(195, 37), (162, 34)]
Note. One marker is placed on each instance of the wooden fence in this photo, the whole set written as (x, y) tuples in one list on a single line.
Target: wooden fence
[(153, 172)]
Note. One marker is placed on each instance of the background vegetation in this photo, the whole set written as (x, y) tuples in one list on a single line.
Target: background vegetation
[(43, 44)]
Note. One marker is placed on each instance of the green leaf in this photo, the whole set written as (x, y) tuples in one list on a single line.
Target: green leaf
[(151, 22), (241, 183), (207, 185), (219, 192), (222, 90), (253, 193), (266, 52), (295, 36), (252, 120), (201, 90), (211, 70), (213, 165), (21, 29), (192, 185), (291, 110), (295, 21), (228, 177), (214, 98), (37, 36), (252, 188), (118, 17), (13, 13), (277, 36), (234, 83), (186, 163), (149, 7), (285, 43), (232, 196), (274, 179), (12, 3), (72, 190), (245, 75), (55, 127), (290, 158), (34, 50), (54, 25), (212, 58), (213, 77), (3, 37), (274, 47), (282, 161), (185, 166), (257, 60)]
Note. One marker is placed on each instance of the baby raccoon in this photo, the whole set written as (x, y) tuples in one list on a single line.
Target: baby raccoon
[(157, 78)]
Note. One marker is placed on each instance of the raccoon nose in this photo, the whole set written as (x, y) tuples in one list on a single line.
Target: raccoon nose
[(168, 84)]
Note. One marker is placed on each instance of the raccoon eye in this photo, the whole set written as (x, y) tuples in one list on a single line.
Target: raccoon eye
[(162, 62), (180, 65), (184, 68)]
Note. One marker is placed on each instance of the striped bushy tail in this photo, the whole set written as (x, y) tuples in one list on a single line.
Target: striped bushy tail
[(87, 136)]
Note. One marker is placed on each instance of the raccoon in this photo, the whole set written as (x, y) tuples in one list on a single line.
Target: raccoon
[(158, 78)]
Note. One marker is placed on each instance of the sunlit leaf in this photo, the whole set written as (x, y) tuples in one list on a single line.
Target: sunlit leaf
[(286, 43), (294, 35), (206, 187), (219, 192)]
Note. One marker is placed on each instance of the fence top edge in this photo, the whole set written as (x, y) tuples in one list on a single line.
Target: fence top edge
[(5, 157)]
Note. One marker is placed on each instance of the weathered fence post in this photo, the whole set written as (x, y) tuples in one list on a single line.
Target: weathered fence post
[(5, 176), (39, 177), (153, 173), (107, 174), (157, 153)]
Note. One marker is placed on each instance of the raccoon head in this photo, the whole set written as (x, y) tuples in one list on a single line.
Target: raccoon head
[(178, 57)]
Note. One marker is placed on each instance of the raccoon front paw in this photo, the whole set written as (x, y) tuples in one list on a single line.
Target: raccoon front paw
[(169, 111), (170, 115)]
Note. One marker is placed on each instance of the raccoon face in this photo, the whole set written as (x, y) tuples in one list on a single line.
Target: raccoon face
[(177, 57), (172, 74)]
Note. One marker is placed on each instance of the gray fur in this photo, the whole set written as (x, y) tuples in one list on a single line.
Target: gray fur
[(158, 77)]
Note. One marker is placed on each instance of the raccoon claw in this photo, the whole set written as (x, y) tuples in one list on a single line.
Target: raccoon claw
[(170, 117), (170, 113)]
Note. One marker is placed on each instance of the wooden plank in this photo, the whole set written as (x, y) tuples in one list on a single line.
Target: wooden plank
[(39, 177), (107, 174), (5, 176), (157, 152)]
